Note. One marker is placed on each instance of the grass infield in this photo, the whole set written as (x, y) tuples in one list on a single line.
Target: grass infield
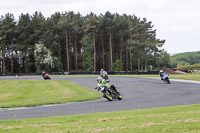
[(24, 93)]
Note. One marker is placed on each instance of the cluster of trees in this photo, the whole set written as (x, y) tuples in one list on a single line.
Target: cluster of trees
[(185, 59), (71, 42)]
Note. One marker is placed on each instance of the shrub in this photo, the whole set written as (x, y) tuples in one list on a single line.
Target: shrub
[(190, 67)]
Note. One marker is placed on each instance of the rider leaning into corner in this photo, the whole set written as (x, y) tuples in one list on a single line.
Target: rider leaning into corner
[(103, 80), (161, 74)]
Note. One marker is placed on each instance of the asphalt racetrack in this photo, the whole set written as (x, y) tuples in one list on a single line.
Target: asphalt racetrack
[(138, 93)]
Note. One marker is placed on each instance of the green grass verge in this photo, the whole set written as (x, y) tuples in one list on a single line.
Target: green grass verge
[(23, 93), (195, 77), (179, 119)]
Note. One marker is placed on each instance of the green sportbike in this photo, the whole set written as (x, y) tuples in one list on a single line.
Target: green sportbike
[(109, 92)]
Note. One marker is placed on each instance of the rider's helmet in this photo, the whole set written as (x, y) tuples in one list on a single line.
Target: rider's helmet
[(105, 75), (161, 71), (99, 79)]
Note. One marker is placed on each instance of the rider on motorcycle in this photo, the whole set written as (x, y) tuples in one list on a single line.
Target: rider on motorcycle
[(101, 82), (161, 74)]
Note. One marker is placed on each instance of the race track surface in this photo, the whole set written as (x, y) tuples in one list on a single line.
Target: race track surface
[(138, 93)]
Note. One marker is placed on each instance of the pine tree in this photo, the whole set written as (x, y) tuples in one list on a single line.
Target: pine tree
[(91, 28), (7, 39)]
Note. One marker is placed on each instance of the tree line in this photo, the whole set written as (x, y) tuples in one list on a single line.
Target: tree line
[(68, 41)]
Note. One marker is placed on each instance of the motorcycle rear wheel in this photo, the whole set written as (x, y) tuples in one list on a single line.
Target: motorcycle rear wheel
[(168, 81)]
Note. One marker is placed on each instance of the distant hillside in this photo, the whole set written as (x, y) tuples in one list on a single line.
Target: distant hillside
[(188, 58), (171, 54)]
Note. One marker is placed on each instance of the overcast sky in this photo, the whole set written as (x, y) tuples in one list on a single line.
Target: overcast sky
[(176, 21)]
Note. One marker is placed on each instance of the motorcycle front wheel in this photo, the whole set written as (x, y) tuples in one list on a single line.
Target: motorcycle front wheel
[(168, 81)]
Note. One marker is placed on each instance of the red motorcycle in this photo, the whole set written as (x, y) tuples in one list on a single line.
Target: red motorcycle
[(46, 76)]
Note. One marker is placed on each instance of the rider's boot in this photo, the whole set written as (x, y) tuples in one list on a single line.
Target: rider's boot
[(118, 93), (114, 88)]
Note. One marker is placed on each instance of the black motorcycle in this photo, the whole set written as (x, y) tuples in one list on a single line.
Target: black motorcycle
[(109, 93)]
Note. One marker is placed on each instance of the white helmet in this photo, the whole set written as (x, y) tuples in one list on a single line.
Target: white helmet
[(99, 79), (161, 71)]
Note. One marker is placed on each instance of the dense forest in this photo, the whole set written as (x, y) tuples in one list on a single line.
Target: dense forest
[(68, 42), (187, 58)]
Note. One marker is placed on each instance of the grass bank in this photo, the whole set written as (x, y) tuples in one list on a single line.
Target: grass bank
[(23, 93), (179, 119)]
